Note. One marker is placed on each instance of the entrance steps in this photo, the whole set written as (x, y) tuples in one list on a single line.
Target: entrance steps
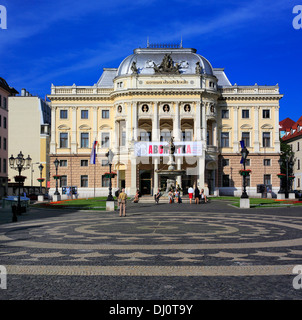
[(163, 199)]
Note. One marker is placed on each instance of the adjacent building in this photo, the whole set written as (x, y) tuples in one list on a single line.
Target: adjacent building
[(29, 132), (157, 93), (5, 92), (293, 137)]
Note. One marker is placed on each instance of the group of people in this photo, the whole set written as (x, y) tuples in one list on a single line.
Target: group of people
[(173, 196), (198, 195)]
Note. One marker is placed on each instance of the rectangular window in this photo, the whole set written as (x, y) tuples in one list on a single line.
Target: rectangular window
[(266, 139), (4, 102), (63, 163), (105, 143), (123, 138), (84, 114), (145, 136), (63, 114), (0, 165), (224, 139), (225, 180), (84, 163), (298, 146), (4, 122), (298, 183), (267, 179), (84, 181), (165, 136), (105, 114), (267, 162), (187, 135), (246, 138), (63, 181), (84, 140), (4, 144), (105, 182), (266, 114), (4, 166), (0, 100), (245, 114), (298, 164), (224, 114), (225, 162), (63, 140)]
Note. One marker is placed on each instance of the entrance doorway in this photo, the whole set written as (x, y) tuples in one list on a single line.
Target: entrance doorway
[(145, 182)]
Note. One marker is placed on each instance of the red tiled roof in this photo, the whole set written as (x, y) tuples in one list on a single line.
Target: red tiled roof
[(296, 127), (287, 123)]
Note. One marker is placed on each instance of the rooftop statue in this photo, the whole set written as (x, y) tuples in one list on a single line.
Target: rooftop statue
[(167, 66)]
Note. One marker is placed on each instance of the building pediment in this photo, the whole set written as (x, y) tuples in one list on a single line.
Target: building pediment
[(63, 127)]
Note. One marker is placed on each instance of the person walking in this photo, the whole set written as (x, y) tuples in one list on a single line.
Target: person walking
[(123, 198), (197, 195), (190, 191)]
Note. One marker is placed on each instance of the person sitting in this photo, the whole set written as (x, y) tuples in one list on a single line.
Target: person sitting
[(203, 196), (170, 196), (157, 196), (136, 197)]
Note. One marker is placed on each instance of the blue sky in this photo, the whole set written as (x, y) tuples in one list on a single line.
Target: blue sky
[(65, 42)]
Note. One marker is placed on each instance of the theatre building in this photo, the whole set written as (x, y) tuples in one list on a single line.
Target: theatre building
[(157, 93)]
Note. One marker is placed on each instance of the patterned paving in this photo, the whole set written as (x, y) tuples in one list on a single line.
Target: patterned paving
[(153, 244)]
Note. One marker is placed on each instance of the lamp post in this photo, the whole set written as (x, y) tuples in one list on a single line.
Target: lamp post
[(41, 167), (19, 164), (244, 153), (286, 163), (56, 163), (110, 156)]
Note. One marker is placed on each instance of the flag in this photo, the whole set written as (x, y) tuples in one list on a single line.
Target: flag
[(93, 152), (242, 144)]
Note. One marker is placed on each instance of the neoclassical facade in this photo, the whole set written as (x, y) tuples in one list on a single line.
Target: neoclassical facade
[(157, 93)]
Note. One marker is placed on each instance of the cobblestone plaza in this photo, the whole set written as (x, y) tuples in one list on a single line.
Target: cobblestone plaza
[(157, 252)]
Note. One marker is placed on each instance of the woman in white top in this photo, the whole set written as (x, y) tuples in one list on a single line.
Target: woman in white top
[(190, 191)]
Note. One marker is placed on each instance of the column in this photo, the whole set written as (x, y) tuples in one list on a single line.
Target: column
[(256, 129), (95, 125), (155, 123), (276, 133), (176, 123), (198, 124), (235, 132), (73, 144), (134, 120), (116, 134), (156, 161), (214, 135), (53, 131), (133, 187), (203, 123)]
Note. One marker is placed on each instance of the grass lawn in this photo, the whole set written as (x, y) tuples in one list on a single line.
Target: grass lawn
[(98, 203), (261, 202)]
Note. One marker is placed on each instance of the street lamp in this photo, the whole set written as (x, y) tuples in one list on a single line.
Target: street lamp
[(41, 167), (19, 164), (244, 153), (110, 156), (56, 163), (286, 162)]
